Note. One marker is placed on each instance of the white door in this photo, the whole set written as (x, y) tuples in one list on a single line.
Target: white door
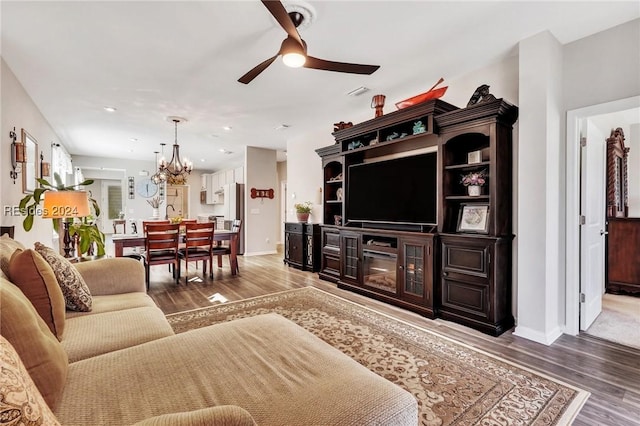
[(112, 204), (592, 233)]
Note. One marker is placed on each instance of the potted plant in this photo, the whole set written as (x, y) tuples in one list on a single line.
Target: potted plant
[(303, 210), (474, 182), (86, 229)]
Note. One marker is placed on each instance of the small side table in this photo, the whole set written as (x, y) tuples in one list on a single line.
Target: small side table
[(118, 222)]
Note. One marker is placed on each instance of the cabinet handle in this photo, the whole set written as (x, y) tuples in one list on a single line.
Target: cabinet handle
[(400, 267), (445, 274)]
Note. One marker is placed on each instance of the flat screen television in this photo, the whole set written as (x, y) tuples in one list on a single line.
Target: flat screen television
[(399, 190)]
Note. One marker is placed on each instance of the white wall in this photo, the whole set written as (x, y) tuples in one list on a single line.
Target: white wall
[(602, 67), (261, 214), (19, 111), (540, 243)]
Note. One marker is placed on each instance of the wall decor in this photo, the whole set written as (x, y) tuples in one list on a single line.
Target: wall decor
[(30, 169), (131, 188), (262, 193), (45, 167), (17, 155), (473, 218)]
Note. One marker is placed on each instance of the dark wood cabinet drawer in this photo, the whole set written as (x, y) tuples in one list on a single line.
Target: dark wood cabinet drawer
[(293, 227), (332, 239), (473, 260), (466, 297)]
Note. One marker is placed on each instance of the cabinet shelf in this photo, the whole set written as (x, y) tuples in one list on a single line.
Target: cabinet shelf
[(467, 197), (333, 201), (339, 181), (467, 166)]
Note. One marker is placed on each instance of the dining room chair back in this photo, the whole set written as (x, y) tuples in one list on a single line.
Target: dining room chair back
[(198, 245), (220, 251), (161, 247)]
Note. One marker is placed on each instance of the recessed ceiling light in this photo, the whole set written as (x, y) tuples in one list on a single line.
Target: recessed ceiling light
[(133, 139), (222, 150), (110, 109), (203, 160), (227, 128)]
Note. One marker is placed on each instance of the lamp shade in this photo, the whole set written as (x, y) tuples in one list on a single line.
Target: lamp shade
[(65, 204)]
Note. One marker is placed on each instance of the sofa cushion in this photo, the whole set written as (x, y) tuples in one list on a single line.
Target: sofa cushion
[(7, 246), (40, 351), (115, 302), (33, 275), (277, 371), (96, 334), (224, 415), (20, 401), (76, 293)]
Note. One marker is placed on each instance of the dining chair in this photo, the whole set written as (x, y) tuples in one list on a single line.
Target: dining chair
[(222, 250), (198, 245), (161, 247)]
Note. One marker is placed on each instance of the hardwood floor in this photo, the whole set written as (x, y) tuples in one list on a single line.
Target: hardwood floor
[(611, 372)]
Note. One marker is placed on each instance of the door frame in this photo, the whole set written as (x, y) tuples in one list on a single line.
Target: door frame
[(572, 226)]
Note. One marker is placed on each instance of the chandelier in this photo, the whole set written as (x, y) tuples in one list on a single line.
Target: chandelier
[(159, 177), (177, 170)]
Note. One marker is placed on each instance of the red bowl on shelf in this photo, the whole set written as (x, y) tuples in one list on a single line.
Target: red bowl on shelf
[(423, 97)]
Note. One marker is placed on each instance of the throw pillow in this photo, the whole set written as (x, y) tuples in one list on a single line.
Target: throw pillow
[(41, 353), (7, 246), (21, 403), (76, 293), (33, 275)]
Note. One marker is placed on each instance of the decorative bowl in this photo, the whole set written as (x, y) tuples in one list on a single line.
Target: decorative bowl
[(423, 97)]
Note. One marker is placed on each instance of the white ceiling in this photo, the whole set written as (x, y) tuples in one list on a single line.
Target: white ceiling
[(151, 60)]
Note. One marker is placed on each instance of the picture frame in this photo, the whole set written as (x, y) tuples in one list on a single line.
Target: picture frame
[(473, 218), (31, 166), (474, 157)]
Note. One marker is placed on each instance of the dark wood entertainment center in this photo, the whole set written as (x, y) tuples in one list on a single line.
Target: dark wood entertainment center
[(437, 269)]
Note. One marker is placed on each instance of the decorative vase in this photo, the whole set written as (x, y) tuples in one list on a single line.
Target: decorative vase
[(474, 190), (302, 217), (156, 213)]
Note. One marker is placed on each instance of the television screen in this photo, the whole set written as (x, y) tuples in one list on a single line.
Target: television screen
[(401, 190)]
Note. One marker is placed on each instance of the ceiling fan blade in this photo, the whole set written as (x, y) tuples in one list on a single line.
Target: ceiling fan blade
[(321, 64), (246, 79), (282, 16)]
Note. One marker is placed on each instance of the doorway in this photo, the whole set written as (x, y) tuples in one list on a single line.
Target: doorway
[(584, 296)]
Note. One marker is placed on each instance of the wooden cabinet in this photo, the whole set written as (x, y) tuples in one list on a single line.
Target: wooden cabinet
[(302, 246), (389, 266), (330, 253), (623, 246), (460, 268), (475, 282), (415, 271)]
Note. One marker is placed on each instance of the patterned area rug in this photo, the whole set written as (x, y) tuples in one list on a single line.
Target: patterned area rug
[(453, 383)]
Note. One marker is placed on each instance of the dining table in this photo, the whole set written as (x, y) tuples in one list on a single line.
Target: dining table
[(121, 241)]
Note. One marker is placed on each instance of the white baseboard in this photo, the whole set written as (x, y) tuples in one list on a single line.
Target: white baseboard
[(537, 336), (260, 253)]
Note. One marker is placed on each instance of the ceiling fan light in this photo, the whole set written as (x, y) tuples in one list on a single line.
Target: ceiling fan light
[(294, 59)]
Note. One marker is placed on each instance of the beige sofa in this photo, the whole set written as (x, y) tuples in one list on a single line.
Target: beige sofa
[(121, 364)]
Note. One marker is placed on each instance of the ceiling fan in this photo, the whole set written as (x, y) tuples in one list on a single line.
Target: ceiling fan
[(294, 49)]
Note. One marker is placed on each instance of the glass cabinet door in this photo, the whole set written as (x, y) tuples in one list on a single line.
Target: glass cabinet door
[(414, 270)]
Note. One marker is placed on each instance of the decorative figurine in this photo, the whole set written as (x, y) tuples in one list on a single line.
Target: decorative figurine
[(377, 102), (481, 95), (354, 145), (393, 136), (341, 125), (418, 127)]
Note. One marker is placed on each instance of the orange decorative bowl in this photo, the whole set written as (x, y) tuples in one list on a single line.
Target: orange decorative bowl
[(423, 97)]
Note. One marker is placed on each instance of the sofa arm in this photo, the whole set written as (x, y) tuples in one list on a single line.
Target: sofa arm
[(113, 276), (223, 415)]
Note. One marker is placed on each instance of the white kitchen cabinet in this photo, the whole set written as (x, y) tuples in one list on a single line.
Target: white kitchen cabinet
[(212, 187), (222, 179), (238, 174)]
